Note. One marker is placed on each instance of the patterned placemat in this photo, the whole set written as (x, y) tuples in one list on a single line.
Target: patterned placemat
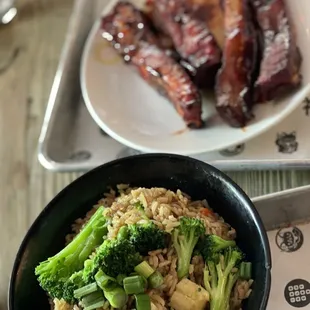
[(285, 145), (290, 250)]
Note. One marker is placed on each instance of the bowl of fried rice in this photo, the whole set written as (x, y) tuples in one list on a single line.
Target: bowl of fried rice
[(147, 232)]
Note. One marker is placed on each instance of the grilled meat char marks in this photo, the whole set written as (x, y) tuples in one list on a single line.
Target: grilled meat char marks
[(236, 77), (192, 40), (252, 40), (279, 71), (169, 78), (127, 30)]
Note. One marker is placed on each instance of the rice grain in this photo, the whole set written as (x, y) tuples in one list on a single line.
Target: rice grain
[(164, 208)]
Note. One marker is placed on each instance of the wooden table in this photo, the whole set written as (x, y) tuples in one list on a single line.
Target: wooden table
[(29, 53)]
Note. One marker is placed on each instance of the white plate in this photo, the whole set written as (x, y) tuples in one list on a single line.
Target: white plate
[(133, 113)]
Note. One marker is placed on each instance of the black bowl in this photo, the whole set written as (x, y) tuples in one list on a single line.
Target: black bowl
[(47, 234)]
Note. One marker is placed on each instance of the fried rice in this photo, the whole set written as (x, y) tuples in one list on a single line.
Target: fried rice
[(164, 207)]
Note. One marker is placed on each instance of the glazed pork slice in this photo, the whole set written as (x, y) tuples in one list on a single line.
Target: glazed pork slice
[(170, 79), (125, 27), (279, 70), (235, 78), (212, 14), (127, 31), (199, 52)]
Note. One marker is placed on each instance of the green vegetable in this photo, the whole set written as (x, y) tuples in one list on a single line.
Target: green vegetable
[(100, 303), (77, 280), (185, 238), (220, 277), (144, 269), (134, 285), (93, 298), (120, 278), (88, 271), (116, 257), (245, 271), (156, 280), (139, 206), (103, 280), (113, 292), (73, 283), (85, 290), (54, 273), (209, 244), (143, 302), (116, 296), (147, 237), (123, 233)]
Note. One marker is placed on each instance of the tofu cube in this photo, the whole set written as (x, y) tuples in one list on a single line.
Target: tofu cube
[(189, 296)]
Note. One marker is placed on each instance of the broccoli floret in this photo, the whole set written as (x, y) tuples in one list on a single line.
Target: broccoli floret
[(209, 244), (185, 238), (147, 237), (220, 276), (117, 256), (54, 273), (73, 283), (139, 206)]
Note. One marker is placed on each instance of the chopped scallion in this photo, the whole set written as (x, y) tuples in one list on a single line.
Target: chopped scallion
[(144, 269), (245, 270), (103, 280), (134, 285), (120, 278), (116, 296), (95, 306), (85, 290), (92, 298), (156, 280), (143, 302)]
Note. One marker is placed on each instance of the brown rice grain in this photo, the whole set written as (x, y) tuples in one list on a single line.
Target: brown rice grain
[(163, 264), (154, 253), (173, 286), (155, 262), (165, 208)]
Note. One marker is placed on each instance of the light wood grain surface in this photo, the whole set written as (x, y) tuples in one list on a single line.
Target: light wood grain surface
[(29, 52)]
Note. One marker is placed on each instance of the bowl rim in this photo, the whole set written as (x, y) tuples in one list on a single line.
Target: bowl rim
[(245, 201)]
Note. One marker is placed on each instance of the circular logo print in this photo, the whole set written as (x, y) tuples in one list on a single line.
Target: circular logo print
[(233, 151), (297, 293), (289, 239)]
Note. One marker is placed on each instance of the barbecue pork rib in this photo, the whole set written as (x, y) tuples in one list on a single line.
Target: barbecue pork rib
[(236, 77), (199, 52), (127, 31), (279, 70), (212, 14)]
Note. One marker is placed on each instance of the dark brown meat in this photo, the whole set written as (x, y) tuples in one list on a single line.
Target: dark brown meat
[(235, 78), (192, 40), (129, 34), (279, 71), (125, 27), (169, 78), (212, 14)]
